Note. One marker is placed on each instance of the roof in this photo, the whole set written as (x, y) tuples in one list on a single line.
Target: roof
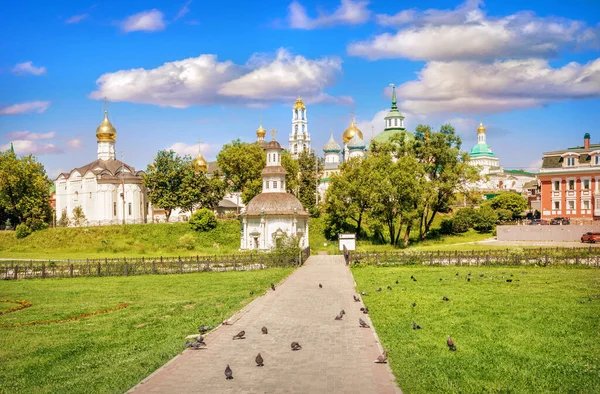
[(224, 203), (272, 145), (386, 135), (481, 149), (275, 204), (356, 143), (212, 167), (530, 184), (519, 172), (108, 170), (273, 170), (331, 146), (556, 161)]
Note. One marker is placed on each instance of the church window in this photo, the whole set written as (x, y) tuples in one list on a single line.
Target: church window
[(129, 206), (76, 196), (90, 195), (296, 128), (596, 161), (295, 148), (395, 122), (571, 184), (586, 184), (274, 184), (266, 184), (114, 209), (556, 186), (586, 204), (557, 205), (571, 204)]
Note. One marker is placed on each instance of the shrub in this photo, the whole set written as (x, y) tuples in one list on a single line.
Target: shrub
[(485, 219), (504, 215), (447, 226), (203, 220), (461, 224), (22, 231), (511, 201), (186, 241), (64, 219), (78, 216), (466, 215)]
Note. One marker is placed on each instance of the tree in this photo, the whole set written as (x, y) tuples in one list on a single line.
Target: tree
[(310, 170), (292, 169), (164, 178), (64, 218), (199, 191), (513, 202), (203, 220), (24, 191), (78, 216), (485, 219), (241, 164)]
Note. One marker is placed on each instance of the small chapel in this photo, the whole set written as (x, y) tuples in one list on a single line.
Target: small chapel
[(273, 212)]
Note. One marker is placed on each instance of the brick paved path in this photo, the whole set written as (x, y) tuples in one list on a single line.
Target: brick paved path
[(336, 356)]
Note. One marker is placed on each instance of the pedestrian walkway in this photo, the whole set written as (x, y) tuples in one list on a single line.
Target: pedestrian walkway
[(336, 356)]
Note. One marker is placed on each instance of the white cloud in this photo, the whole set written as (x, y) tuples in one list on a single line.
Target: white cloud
[(184, 10), (466, 128), (144, 21), (470, 87), (76, 18), (181, 148), (348, 13), (75, 143), (468, 34), (25, 147), (28, 68), (206, 81), (24, 108), (29, 136)]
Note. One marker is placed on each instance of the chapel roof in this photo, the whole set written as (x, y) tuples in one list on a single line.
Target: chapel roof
[(108, 169), (275, 204)]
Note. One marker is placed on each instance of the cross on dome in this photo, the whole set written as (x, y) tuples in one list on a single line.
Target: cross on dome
[(273, 133)]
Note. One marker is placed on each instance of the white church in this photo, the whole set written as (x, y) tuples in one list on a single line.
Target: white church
[(108, 190)]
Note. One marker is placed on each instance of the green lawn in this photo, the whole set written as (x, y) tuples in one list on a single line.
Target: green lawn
[(113, 351), (533, 335), (134, 240)]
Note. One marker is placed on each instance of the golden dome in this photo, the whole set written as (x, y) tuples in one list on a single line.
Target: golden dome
[(481, 129), (261, 132), (351, 132), (299, 104), (201, 164), (106, 132)]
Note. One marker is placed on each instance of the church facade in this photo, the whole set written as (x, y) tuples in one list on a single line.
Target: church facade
[(108, 190)]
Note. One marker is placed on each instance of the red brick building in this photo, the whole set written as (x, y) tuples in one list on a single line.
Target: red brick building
[(570, 181)]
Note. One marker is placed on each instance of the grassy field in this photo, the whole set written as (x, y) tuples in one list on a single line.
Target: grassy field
[(537, 334), (175, 239), (113, 351)]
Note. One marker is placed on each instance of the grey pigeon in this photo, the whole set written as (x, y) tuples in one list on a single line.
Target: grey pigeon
[(362, 309), (364, 293), (379, 289), (363, 323), (413, 278), (204, 329), (366, 310), (272, 287), (396, 282), (296, 346), (446, 298), (382, 359), (251, 292), (240, 335), (264, 330), (468, 279), (188, 343), (389, 287), (342, 312), (259, 361), (339, 317), (320, 286), (509, 280), (414, 304), (228, 373), (416, 326), (451, 344), (356, 299)]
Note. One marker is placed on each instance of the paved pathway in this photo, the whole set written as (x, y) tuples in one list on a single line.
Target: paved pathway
[(336, 356)]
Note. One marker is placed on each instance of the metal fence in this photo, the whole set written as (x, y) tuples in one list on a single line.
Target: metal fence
[(533, 256), (22, 269)]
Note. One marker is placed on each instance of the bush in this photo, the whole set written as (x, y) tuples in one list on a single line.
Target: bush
[(22, 231), (78, 216), (511, 201), (447, 226), (466, 215), (504, 215), (461, 224), (203, 220), (187, 241), (485, 219), (64, 219)]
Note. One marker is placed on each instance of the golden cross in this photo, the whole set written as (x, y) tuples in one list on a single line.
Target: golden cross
[(392, 85), (199, 146), (105, 103), (273, 132)]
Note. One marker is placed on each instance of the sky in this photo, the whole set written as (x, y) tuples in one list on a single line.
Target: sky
[(179, 72)]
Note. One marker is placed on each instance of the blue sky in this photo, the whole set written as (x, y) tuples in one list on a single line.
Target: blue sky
[(175, 72)]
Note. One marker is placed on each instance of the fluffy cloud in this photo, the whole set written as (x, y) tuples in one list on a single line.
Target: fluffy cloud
[(468, 34), (28, 68), (24, 108), (26, 147), (144, 21), (208, 150), (29, 136), (470, 87), (75, 143), (76, 18), (348, 13), (205, 81)]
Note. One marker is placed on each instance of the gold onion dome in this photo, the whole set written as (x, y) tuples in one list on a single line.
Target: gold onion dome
[(351, 132), (481, 128), (299, 104), (200, 163), (106, 131), (261, 132)]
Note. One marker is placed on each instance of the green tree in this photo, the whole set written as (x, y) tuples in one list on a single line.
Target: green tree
[(203, 220), (64, 218), (310, 170), (513, 202), (485, 219), (164, 178), (24, 191), (292, 169), (199, 191), (78, 216), (241, 164)]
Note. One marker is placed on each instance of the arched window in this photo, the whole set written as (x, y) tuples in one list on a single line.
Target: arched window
[(76, 196)]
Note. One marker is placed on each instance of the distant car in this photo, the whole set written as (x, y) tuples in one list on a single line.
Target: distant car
[(559, 220), (590, 237), (537, 222)]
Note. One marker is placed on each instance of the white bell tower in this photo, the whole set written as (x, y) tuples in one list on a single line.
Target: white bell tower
[(299, 138)]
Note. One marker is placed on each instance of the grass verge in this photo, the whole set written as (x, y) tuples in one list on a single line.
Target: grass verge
[(112, 352), (538, 334)]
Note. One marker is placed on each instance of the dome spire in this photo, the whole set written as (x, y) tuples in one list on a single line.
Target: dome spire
[(200, 163), (394, 102), (261, 132), (106, 135)]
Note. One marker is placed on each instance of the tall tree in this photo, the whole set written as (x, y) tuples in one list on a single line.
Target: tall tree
[(164, 178), (310, 170), (199, 191), (241, 164), (24, 191)]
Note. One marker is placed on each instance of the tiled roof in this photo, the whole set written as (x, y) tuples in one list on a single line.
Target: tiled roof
[(275, 204)]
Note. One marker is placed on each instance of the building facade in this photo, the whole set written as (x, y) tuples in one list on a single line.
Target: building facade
[(299, 138), (108, 190), (570, 182)]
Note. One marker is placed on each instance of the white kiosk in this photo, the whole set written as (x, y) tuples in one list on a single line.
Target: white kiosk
[(347, 240)]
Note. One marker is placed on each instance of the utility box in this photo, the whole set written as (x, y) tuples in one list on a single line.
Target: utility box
[(347, 240)]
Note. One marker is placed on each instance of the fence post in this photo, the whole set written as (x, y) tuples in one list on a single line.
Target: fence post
[(71, 270), (126, 266), (99, 268), (43, 270), (180, 265), (16, 272), (153, 267)]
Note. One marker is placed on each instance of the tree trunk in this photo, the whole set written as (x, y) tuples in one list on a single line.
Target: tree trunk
[(428, 224), (407, 233), (168, 214)]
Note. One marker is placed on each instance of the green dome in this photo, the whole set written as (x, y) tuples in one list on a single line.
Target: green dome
[(331, 146), (481, 149), (385, 136), (586, 136), (356, 143)]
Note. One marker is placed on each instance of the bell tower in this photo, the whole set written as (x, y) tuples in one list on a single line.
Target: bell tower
[(299, 138)]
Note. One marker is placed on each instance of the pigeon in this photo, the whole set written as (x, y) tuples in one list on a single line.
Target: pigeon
[(457, 274), (228, 373), (320, 286), (379, 289), (264, 330), (416, 326), (200, 339), (468, 279), (364, 293), (339, 317), (509, 280), (342, 312), (446, 298), (481, 275), (396, 282), (362, 323), (259, 361), (451, 344), (413, 278), (366, 310), (356, 299), (441, 279), (296, 346), (188, 343), (240, 335), (196, 344), (414, 304), (251, 292), (204, 329), (382, 359), (389, 287), (272, 287), (362, 309)]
